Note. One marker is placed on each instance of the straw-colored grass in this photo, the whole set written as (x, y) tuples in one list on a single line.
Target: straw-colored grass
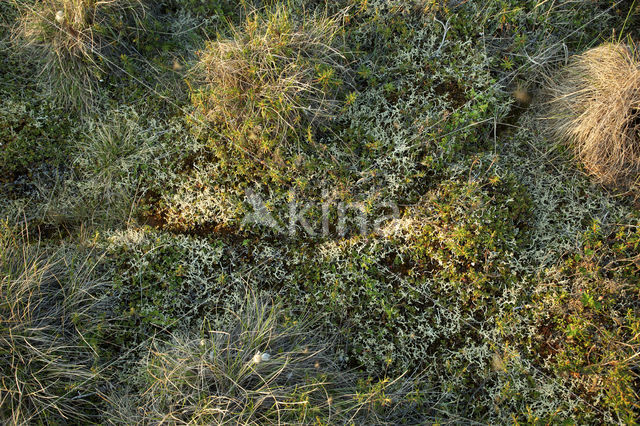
[(596, 110)]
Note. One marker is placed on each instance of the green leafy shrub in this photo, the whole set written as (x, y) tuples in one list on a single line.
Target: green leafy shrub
[(454, 245), (32, 135), (589, 319), (468, 231)]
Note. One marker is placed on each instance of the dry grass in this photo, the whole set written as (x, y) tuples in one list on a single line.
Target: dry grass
[(67, 40), (46, 309), (274, 75), (596, 110), (258, 370)]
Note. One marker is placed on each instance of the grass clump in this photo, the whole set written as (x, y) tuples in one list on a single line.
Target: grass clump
[(111, 160), (70, 42), (596, 101), (260, 368), (276, 76), (47, 318), (64, 173)]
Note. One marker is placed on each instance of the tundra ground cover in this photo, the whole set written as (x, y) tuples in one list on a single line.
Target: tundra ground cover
[(184, 188)]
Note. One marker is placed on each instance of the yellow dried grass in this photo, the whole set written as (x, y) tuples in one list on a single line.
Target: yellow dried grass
[(595, 108)]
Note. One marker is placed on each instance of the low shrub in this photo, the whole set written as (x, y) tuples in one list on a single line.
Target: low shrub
[(588, 313), (396, 292), (32, 135)]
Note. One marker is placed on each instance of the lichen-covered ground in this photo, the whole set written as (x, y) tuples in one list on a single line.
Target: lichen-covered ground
[(298, 212)]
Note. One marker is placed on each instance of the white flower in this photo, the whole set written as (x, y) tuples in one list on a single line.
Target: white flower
[(60, 16), (260, 357)]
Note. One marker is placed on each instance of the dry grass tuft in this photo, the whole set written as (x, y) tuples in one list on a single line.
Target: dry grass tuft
[(67, 41), (596, 110), (274, 76)]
